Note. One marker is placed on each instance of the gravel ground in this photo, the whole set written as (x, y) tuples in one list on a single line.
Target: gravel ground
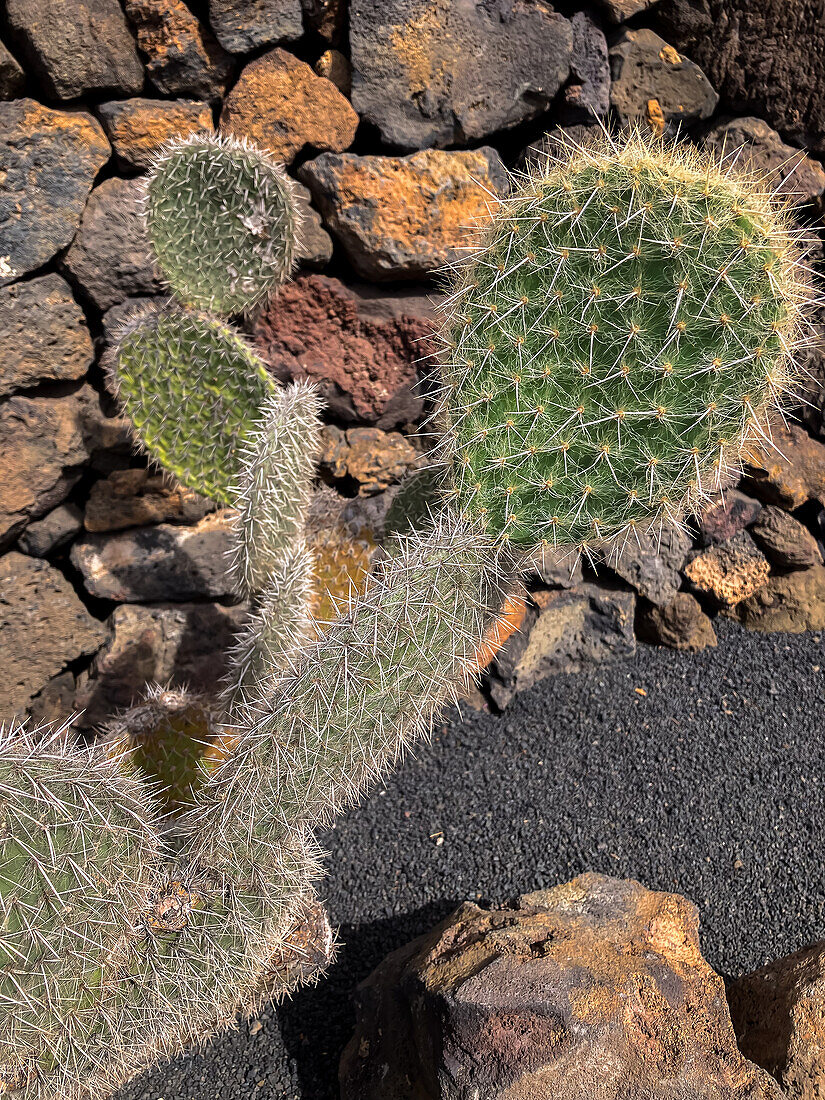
[(701, 774)]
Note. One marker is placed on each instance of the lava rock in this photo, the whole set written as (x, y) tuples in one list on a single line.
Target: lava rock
[(646, 70), (680, 624), (48, 162), (241, 26), (281, 105), (618, 11), (184, 643), (44, 334), (333, 65), (51, 532), (588, 98), (12, 77), (404, 217), (326, 17), (43, 627), (110, 256), (786, 542), (183, 57), (138, 127), (315, 244), (730, 571), (54, 702), (453, 72), (763, 58), (789, 473), (574, 629), (76, 48), (158, 563), (370, 457), (778, 1014), (43, 445), (651, 564), (364, 363), (790, 603), (722, 518), (791, 172), (596, 990), (133, 498)]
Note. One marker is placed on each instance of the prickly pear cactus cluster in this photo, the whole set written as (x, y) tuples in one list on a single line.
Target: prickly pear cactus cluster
[(618, 336)]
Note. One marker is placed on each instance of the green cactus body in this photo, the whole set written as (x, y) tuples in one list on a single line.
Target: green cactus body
[(194, 390), (613, 343), (222, 222)]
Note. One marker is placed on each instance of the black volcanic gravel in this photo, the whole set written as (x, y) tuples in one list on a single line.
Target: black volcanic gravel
[(696, 773)]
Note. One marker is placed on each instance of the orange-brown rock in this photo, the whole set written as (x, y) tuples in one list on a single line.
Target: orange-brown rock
[(280, 104), (404, 217), (729, 571), (595, 990), (132, 498), (778, 1013), (333, 65), (790, 603), (372, 458), (788, 474), (680, 624), (787, 543), (183, 56), (137, 127)]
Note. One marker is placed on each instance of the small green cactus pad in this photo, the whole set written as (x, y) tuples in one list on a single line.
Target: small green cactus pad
[(616, 339), (193, 390), (222, 222)]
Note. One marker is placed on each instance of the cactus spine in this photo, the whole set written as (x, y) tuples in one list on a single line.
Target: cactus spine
[(621, 329)]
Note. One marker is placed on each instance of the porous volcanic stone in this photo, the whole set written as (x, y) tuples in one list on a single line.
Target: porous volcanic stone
[(55, 700), (789, 171), (43, 626), (281, 105), (787, 543), (48, 162), (315, 244), (137, 127), (110, 257), (652, 563), (727, 514), (574, 629), (158, 563), (617, 11), (43, 445), (76, 47), (243, 25), (730, 571), (44, 334), (456, 70), (765, 58), (680, 624), (778, 1014), (184, 643), (789, 473), (364, 363), (404, 217), (327, 17), (372, 458), (333, 65), (132, 498), (588, 96), (645, 69), (182, 57), (51, 532), (12, 77), (790, 603), (594, 990)]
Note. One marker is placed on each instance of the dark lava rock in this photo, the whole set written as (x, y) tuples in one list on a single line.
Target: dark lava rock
[(786, 542), (110, 257), (76, 48), (788, 171), (404, 217), (617, 11), (764, 58), (790, 603), (327, 17), (138, 497), (588, 96), (44, 334), (651, 564), (315, 244), (455, 71), (594, 990), (137, 127), (48, 162), (243, 25), (644, 69), (12, 77), (55, 700), (182, 56), (43, 627), (730, 512), (52, 531), (680, 624), (365, 363)]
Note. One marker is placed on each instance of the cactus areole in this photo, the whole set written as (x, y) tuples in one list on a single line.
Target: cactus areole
[(629, 316)]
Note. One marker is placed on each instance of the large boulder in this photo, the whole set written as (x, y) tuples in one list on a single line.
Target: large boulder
[(646, 70), (48, 163), (241, 26), (595, 990), (182, 56), (138, 127), (758, 148), (453, 72)]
